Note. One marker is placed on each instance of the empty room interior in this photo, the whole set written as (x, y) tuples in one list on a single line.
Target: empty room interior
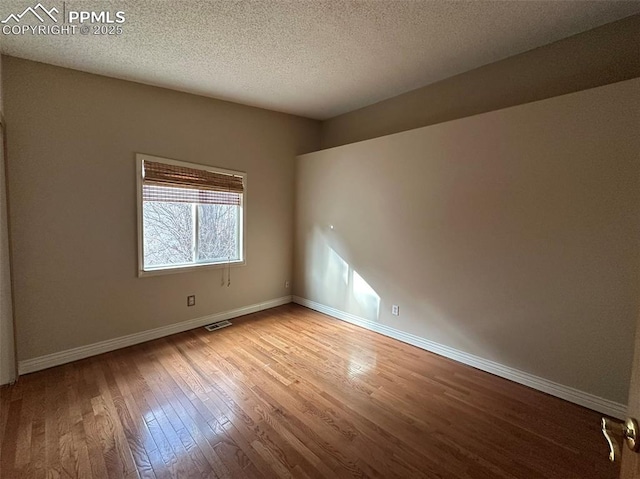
[(337, 238)]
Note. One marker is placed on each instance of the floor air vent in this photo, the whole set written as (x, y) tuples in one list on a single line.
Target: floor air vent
[(218, 325)]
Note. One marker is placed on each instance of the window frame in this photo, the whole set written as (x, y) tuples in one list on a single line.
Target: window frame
[(242, 226)]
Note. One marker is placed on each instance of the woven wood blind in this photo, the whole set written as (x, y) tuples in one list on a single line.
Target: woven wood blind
[(189, 195), (179, 184), (163, 174)]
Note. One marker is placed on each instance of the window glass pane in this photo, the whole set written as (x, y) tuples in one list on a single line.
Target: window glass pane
[(168, 233), (218, 233)]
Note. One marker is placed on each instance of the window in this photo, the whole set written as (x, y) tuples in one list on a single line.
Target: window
[(188, 215)]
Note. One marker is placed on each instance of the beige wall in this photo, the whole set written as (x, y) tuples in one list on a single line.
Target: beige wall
[(7, 353), (1, 92), (72, 143), (597, 57), (510, 235)]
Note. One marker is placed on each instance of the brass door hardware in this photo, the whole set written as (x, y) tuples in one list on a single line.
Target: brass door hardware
[(627, 430)]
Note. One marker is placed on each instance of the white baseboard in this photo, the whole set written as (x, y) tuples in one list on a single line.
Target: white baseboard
[(570, 394), (55, 359)]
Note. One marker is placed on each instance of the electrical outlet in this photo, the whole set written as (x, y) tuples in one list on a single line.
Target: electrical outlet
[(191, 300), (286, 284), (395, 310)]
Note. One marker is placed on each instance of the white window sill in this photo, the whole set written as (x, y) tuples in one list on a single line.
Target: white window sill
[(188, 268)]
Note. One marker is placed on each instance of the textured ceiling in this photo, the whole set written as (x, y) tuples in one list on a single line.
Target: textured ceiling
[(312, 58)]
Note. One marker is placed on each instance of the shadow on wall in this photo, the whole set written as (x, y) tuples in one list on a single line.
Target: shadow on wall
[(337, 279), (333, 280)]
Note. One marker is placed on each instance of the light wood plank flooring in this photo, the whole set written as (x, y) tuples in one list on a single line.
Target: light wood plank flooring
[(289, 393)]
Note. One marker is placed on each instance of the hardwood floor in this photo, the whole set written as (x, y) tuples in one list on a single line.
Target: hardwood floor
[(289, 393)]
